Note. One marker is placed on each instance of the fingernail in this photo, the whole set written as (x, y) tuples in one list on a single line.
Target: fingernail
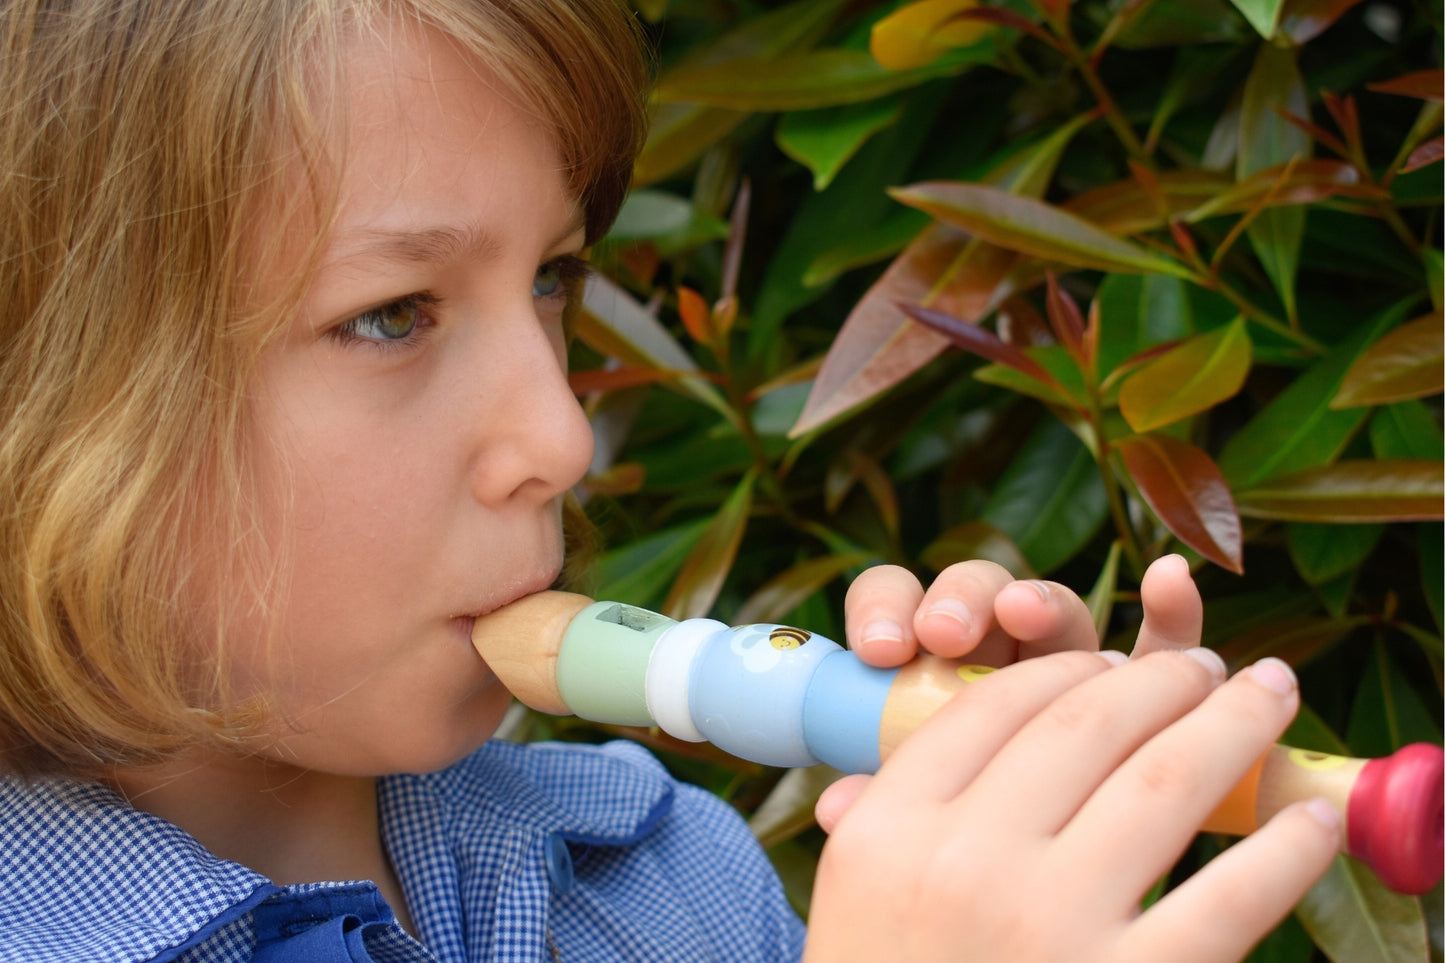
[(1040, 587), (883, 630), (1273, 674), (1175, 560), (1209, 659), (954, 610), (1324, 813), (1112, 656)]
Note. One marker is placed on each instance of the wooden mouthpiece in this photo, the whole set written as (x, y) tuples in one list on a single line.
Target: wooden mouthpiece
[(520, 642)]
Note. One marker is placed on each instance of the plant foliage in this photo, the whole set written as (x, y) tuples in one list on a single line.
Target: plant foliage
[(1067, 285)]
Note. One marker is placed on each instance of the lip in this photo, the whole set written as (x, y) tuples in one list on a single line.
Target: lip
[(520, 589)]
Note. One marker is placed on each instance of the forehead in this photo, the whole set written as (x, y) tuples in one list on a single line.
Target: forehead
[(425, 132)]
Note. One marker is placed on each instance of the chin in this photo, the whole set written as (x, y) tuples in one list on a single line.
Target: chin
[(463, 735)]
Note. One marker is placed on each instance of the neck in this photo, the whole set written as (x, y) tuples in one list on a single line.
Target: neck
[(290, 825)]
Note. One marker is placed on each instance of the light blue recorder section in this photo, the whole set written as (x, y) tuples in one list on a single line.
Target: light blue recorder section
[(748, 689), (843, 712)]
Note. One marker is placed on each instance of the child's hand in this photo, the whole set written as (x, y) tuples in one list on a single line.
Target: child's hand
[(977, 609), (1026, 821)]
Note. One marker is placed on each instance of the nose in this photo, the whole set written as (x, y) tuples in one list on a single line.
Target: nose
[(537, 442)]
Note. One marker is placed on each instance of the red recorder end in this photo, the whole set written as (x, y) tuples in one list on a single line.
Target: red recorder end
[(1396, 818)]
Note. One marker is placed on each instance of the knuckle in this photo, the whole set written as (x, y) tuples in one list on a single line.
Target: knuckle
[(1079, 715), (1169, 776)]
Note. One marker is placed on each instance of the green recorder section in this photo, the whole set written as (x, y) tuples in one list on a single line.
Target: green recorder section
[(602, 665)]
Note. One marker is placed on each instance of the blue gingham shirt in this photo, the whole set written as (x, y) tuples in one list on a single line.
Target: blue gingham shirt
[(530, 853)]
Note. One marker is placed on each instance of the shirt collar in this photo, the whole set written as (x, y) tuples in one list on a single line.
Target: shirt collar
[(90, 877)]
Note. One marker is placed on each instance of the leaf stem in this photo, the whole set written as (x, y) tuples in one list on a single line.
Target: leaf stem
[(1258, 315), (1112, 114)]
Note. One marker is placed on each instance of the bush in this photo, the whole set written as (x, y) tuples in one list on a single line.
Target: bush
[(1067, 286)]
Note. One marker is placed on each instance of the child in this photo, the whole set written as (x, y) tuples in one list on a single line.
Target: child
[(285, 410)]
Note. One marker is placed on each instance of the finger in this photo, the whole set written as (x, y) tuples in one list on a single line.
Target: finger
[(1045, 617), (1166, 790), (1061, 758), (1173, 611), (957, 611), (878, 615), (1252, 885), (835, 801), (948, 751)]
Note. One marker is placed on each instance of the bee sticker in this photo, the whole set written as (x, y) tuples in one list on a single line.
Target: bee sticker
[(782, 637), (1315, 761)]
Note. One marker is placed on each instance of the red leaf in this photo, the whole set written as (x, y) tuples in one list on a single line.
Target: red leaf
[(1347, 117), (1187, 491), (1064, 317), (982, 342), (1303, 20), (695, 315), (1381, 490), (1426, 154), (1424, 84), (878, 345), (1007, 18), (615, 379)]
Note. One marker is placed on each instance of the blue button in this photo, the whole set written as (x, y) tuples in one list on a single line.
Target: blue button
[(559, 863)]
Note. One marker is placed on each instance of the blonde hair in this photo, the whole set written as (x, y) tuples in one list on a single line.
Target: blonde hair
[(141, 138)]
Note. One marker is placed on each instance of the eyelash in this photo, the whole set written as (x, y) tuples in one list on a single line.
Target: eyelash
[(570, 270)]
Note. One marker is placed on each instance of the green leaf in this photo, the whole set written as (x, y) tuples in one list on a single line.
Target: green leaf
[(1287, 943), (788, 590), (1050, 500), (1032, 227), (1101, 597), (1408, 362), (942, 269), (640, 572), (1394, 490), (1406, 430), (1263, 15), (681, 133), (1267, 139), (885, 240), (1352, 917), (1323, 552), (697, 585), (975, 539), (612, 322), (1192, 377), (1050, 392), (651, 213), (1136, 311), (1302, 182), (1297, 430), (1309, 731), (1184, 488), (800, 81), (1297, 640), (678, 135), (1434, 261), (1431, 540), (1388, 713), (1181, 23), (824, 140)]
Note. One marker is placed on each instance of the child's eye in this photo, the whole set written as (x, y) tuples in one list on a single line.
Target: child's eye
[(553, 279), (391, 323)]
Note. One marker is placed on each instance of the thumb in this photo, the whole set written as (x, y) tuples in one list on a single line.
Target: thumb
[(837, 799)]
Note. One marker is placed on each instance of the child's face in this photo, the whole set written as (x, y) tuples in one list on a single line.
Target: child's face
[(413, 426)]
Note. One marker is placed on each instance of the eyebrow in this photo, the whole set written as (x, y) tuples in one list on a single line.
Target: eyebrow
[(434, 245)]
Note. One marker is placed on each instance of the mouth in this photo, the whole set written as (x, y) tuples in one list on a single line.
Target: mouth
[(518, 589)]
